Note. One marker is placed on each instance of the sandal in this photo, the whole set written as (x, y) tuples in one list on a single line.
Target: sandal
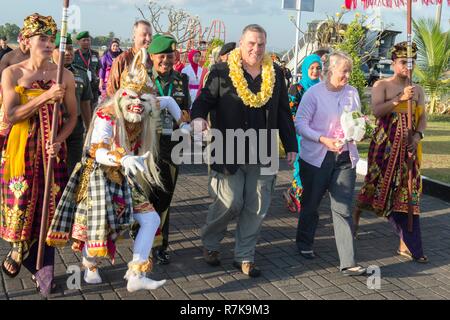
[(22, 250), (10, 261), (423, 259)]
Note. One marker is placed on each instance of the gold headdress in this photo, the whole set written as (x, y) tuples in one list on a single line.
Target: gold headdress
[(136, 78), (400, 50), (36, 24)]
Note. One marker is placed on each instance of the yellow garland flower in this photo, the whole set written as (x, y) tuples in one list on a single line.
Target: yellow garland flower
[(240, 83)]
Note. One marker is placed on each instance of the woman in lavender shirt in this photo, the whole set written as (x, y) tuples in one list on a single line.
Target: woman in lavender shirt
[(327, 161)]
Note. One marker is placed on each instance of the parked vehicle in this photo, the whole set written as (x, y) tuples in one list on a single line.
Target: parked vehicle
[(379, 70)]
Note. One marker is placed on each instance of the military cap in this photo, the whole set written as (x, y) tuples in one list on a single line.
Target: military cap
[(82, 35), (58, 39), (227, 48), (162, 43)]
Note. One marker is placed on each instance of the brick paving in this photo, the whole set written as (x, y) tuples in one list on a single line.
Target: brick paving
[(286, 275)]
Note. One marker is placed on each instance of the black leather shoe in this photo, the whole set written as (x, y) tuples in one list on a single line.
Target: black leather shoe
[(161, 256), (307, 254)]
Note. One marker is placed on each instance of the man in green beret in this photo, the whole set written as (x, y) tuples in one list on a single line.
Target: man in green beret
[(84, 95), (168, 83), (90, 60)]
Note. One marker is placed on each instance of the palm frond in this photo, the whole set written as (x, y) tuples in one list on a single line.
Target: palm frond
[(433, 56)]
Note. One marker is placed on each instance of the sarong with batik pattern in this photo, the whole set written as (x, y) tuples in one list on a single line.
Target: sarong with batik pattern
[(22, 171), (385, 188)]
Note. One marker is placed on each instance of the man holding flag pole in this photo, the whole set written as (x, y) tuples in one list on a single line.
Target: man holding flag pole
[(393, 184)]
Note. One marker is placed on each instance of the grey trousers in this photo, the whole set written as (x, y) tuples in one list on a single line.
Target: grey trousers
[(337, 176), (245, 195)]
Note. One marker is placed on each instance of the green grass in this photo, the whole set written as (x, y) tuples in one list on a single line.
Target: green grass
[(436, 149)]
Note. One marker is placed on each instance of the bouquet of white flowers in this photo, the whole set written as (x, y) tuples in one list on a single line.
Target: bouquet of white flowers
[(356, 126)]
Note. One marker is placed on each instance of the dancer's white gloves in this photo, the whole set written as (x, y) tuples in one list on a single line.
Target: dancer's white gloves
[(102, 157), (171, 105), (134, 164)]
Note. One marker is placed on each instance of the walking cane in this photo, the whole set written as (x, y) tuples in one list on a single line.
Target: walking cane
[(54, 130)]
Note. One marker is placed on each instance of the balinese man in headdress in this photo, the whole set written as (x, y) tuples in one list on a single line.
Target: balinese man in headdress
[(385, 190), (29, 95), (110, 187)]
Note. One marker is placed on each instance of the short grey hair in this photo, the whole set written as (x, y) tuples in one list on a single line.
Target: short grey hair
[(144, 22), (254, 28), (336, 58)]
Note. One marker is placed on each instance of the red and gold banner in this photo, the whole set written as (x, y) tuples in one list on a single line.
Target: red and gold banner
[(366, 4)]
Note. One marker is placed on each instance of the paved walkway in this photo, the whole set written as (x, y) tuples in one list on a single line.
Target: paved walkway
[(286, 275)]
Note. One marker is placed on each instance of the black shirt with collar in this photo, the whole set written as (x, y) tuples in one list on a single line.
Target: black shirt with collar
[(180, 87), (180, 93), (220, 95)]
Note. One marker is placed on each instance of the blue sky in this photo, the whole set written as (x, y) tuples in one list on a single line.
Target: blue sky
[(102, 16)]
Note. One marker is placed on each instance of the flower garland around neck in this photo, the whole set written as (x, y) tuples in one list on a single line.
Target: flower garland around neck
[(240, 83)]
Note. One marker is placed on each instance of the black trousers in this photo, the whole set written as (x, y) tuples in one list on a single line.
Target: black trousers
[(161, 199), (75, 145)]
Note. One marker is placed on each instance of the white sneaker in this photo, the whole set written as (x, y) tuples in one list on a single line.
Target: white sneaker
[(92, 277), (136, 283)]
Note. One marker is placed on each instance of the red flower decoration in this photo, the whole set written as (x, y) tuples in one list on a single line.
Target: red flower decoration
[(124, 94)]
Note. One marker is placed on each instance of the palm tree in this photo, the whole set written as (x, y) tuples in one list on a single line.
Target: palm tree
[(433, 60)]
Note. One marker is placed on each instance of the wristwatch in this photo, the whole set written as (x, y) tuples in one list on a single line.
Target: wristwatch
[(420, 134)]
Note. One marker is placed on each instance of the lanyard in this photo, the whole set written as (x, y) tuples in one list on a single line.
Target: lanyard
[(161, 91), (86, 63)]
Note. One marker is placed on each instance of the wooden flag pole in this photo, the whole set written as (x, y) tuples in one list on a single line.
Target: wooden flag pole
[(54, 129), (410, 116)]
